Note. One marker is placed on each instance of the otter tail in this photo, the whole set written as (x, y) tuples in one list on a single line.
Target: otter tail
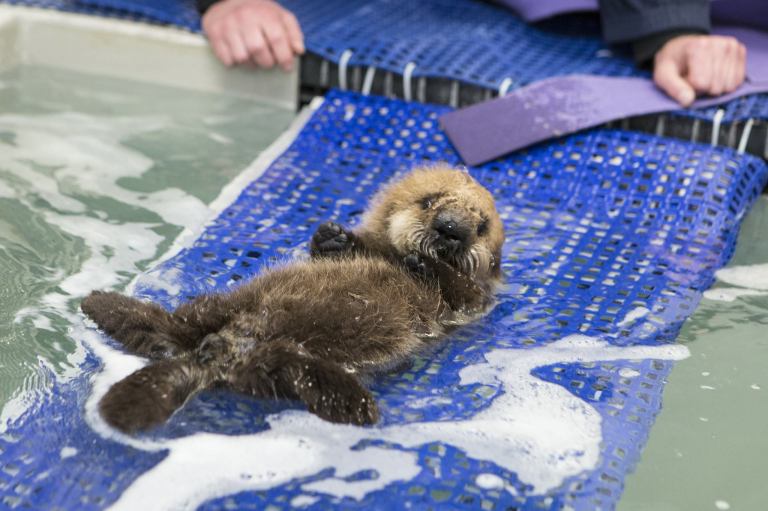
[(149, 396)]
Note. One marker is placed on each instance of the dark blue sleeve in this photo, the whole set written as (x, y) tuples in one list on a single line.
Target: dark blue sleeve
[(631, 20)]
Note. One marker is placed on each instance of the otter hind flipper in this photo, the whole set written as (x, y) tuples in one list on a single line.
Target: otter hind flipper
[(280, 369), (143, 328), (149, 396)]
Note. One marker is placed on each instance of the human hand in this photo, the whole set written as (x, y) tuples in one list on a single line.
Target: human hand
[(699, 64), (256, 31)]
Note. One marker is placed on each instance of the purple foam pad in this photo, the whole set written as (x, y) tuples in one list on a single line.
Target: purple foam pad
[(556, 107), (562, 105)]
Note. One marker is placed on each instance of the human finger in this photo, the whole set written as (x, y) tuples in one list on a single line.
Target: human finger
[(699, 65), (668, 76), (258, 48), (293, 29), (279, 45), (237, 45)]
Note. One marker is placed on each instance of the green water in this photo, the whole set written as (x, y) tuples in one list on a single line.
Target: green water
[(97, 178), (708, 448)]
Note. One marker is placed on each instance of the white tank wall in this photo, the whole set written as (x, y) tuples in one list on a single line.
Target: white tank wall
[(136, 51)]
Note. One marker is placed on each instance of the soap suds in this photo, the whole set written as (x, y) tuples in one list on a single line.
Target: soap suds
[(753, 276), (730, 294), (537, 429)]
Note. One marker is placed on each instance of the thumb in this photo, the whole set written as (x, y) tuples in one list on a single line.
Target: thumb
[(669, 77)]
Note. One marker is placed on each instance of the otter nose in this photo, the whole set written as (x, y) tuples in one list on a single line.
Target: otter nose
[(452, 233)]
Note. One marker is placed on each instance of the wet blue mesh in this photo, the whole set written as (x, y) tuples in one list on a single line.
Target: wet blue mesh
[(181, 13), (598, 224)]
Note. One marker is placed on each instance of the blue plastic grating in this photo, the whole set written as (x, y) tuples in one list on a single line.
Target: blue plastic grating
[(180, 13), (598, 224)]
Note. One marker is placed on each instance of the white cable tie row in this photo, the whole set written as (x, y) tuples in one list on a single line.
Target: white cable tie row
[(660, 125), (765, 144), (343, 61), (407, 75), (505, 85), (695, 130), (421, 89), (717, 120), (388, 85), (324, 64), (745, 136), (368, 81), (453, 99)]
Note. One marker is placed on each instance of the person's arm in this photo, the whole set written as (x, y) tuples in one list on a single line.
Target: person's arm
[(251, 31), (673, 37)]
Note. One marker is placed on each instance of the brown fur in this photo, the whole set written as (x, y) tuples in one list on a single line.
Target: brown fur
[(426, 258)]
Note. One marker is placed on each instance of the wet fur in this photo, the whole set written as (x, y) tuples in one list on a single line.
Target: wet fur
[(365, 302)]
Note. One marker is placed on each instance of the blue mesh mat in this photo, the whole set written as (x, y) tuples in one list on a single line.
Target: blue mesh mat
[(598, 224), (181, 13)]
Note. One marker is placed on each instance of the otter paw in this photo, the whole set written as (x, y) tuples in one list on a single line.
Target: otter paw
[(420, 266), (133, 405), (346, 405), (330, 239), (212, 347)]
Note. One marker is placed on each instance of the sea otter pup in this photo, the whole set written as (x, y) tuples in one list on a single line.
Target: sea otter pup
[(424, 260)]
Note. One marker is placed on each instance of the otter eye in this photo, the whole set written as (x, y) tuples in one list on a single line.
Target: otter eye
[(482, 228), (427, 201)]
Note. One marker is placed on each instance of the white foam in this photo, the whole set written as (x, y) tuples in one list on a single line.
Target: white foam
[(730, 294), (303, 501), (489, 482), (67, 452), (537, 429), (62, 157), (722, 505), (634, 315), (753, 276)]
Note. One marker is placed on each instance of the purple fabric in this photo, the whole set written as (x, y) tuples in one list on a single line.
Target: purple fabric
[(537, 10), (556, 107), (757, 49), (752, 13), (563, 105)]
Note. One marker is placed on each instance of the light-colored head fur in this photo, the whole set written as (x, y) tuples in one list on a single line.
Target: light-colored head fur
[(406, 211)]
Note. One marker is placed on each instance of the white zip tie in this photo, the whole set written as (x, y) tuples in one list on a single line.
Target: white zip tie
[(660, 122), (421, 89), (454, 96), (504, 86), (343, 61), (407, 74), (765, 146), (745, 136), (368, 81), (695, 130), (487, 94), (388, 92), (716, 121), (625, 124), (732, 134), (324, 73)]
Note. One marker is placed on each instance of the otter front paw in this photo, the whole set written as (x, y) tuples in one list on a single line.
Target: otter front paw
[(330, 239), (349, 404), (420, 266)]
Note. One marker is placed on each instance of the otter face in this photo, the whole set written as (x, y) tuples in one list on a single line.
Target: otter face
[(444, 214)]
